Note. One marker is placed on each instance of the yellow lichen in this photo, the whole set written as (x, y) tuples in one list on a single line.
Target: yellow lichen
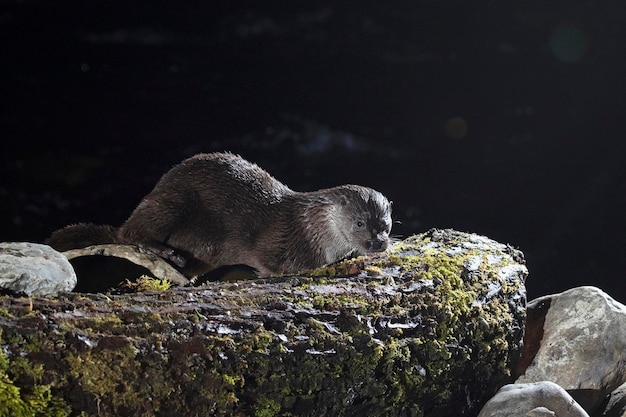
[(147, 283), (373, 270)]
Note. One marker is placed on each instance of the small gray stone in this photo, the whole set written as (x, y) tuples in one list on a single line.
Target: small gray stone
[(583, 348), (540, 399), (34, 269)]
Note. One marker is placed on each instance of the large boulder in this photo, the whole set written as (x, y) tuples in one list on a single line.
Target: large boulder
[(432, 328), (577, 339)]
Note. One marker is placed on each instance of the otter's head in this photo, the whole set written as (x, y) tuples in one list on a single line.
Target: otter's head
[(365, 218)]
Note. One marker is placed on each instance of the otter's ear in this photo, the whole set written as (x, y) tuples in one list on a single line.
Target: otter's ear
[(344, 200)]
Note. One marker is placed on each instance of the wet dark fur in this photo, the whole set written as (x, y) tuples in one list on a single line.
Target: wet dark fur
[(219, 209)]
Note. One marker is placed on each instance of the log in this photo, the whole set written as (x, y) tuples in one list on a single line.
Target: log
[(432, 327), (155, 265)]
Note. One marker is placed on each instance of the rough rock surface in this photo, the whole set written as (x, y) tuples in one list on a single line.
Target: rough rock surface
[(430, 328), (34, 269), (583, 344), (537, 399), (616, 404)]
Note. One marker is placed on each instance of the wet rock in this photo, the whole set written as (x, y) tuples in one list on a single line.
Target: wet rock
[(34, 269), (582, 346)]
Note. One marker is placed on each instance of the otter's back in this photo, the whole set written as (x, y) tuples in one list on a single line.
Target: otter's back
[(204, 201), (227, 175)]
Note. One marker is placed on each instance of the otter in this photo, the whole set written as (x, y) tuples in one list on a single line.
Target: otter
[(218, 209)]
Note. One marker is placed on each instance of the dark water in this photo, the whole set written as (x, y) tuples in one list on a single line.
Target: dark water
[(505, 119)]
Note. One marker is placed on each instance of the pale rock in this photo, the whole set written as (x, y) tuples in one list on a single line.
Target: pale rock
[(583, 348), (540, 412), (539, 399), (34, 269)]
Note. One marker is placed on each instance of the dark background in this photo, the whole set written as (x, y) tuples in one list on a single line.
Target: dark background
[(500, 118)]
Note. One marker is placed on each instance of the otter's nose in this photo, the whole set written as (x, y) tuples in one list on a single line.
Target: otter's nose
[(379, 243)]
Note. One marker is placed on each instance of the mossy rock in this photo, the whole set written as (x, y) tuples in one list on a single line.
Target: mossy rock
[(430, 328)]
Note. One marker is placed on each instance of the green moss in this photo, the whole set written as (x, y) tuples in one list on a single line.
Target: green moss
[(233, 380), (373, 270), (19, 402), (344, 268), (22, 366), (436, 355), (147, 283), (266, 407), (261, 340), (398, 331), (107, 374)]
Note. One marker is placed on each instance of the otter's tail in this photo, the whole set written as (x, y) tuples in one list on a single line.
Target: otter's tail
[(81, 235)]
